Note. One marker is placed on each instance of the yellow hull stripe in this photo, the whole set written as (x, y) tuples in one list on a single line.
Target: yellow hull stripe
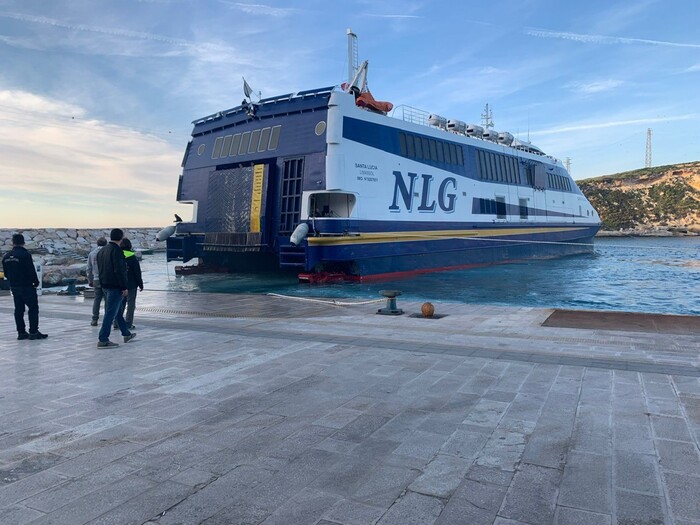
[(432, 235)]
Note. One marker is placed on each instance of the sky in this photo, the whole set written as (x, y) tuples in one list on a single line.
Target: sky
[(97, 97)]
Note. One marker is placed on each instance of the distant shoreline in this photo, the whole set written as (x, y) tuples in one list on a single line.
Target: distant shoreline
[(647, 233)]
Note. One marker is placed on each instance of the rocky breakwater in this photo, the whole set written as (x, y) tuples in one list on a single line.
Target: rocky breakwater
[(62, 252)]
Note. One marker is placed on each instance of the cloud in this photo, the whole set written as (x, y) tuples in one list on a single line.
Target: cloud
[(62, 170), (692, 69), (601, 39), (394, 16), (612, 123), (118, 41), (262, 9), (595, 87)]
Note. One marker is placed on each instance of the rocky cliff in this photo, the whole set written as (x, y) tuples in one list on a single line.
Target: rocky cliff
[(648, 201)]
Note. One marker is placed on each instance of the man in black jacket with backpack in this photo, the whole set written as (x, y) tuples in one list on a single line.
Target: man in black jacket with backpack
[(20, 271), (112, 271)]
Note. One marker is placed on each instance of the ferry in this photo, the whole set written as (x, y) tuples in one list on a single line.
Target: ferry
[(331, 183)]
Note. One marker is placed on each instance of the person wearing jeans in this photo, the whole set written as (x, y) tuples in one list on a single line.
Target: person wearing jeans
[(94, 280), (114, 311), (111, 267)]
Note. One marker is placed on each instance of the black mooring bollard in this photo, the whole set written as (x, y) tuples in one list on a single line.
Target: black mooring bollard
[(391, 308), (70, 282)]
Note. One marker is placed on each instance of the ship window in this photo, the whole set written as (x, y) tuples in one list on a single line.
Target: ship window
[(338, 205), (226, 146), (254, 141), (274, 138), (217, 148), (511, 169), (402, 144), (433, 150), (516, 170), (264, 139), (494, 168), (426, 148), (235, 144), (502, 166), (500, 207), (460, 155), (411, 153), (419, 148), (523, 208), (245, 142), (530, 173), (440, 152)]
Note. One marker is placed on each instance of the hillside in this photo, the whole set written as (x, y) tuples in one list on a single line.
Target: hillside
[(661, 198)]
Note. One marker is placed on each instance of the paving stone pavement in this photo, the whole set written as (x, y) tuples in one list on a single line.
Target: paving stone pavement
[(231, 409)]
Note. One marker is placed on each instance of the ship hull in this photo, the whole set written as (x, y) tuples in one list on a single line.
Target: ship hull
[(386, 255)]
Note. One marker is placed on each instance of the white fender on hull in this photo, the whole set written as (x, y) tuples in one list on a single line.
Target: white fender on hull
[(166, 232), (299, 234)]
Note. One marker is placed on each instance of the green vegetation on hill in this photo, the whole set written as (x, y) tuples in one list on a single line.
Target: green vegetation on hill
[(658, 197)]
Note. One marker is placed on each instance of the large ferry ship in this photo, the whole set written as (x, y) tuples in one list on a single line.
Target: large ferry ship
[(331, 182)]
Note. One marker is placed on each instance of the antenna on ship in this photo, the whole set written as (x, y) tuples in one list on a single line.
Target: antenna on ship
[(487, 117), (567, 163), (353, 55)]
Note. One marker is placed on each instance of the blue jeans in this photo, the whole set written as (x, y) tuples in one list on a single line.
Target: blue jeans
[(112, 311)]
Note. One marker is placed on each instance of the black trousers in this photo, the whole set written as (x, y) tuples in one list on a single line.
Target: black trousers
[(25, 296)]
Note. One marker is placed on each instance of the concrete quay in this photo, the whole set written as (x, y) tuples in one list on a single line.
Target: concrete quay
[(240, 409)]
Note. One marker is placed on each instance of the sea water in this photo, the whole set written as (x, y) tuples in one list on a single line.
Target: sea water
[(641, 274)]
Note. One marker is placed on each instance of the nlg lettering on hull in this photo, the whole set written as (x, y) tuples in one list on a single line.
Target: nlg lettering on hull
[(430, 198)]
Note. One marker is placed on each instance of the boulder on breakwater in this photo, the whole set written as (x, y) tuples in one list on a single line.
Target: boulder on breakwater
[(62, 252)]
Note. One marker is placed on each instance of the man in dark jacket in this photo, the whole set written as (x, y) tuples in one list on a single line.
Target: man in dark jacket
[(20, 271), (112, 271)]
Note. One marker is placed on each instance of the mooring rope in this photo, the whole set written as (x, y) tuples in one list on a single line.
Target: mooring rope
[(332, 302)]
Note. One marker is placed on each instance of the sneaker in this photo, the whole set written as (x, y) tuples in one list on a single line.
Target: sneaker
[(37, 335), (129, 337), (106, 344), (22, 335), (93, 323)]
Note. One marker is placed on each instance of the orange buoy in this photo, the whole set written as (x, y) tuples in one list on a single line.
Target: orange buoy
[(427, 309)]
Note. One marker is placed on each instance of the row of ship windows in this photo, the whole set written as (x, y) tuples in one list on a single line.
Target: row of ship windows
[(492, 166), (259, 140), (559, 182), (423, 148), (497, 207)]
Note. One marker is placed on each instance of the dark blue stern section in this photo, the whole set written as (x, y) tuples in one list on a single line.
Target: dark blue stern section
[(245, 170)]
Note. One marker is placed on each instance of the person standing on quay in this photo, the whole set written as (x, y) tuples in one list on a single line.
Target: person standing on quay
[(111, 267), (19, 269), (93, 276), (134, 278)]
